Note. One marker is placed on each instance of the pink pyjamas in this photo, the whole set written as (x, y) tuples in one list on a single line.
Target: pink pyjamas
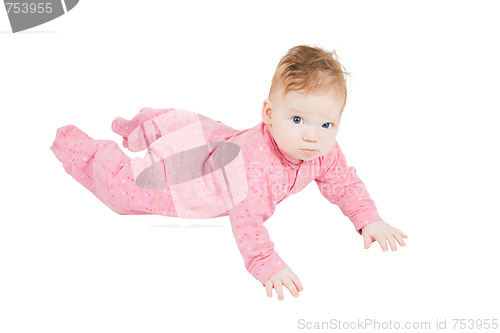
[(197, 167)]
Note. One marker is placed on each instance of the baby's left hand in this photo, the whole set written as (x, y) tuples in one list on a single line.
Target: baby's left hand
[(381, 231)]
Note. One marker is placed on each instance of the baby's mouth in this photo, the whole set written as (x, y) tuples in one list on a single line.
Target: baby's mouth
[(309, 151)]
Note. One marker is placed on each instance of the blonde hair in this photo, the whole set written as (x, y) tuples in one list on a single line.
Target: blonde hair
[(308, 68)]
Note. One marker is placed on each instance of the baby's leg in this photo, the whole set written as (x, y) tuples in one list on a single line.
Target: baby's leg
[(143, 136), (106, 171)]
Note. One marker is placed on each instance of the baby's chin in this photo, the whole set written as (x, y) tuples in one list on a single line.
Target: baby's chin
[(308, 158)]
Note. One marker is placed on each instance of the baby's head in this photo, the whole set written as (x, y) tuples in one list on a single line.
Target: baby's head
[(307, 96)]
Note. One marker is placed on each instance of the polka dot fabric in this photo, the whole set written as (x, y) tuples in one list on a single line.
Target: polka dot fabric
[(272, 176)]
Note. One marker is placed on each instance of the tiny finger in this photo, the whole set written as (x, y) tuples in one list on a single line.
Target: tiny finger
[(392, 243), (279, 289), (382, 241), (402, 233), (269, 289), (296, 281), (367, 240), (291, 287), (400, 239)]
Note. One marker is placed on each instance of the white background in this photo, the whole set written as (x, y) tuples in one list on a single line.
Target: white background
[(420, 126)]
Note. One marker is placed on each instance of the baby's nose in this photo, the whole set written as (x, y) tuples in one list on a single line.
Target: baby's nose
[(311, 137)]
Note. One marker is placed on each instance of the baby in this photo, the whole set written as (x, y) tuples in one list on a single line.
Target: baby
[(197, 167)]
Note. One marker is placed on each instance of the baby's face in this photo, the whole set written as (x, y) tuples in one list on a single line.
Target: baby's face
[(298, 122)]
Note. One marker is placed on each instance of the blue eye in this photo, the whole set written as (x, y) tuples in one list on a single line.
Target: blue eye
[(295, 118), (328, 124)]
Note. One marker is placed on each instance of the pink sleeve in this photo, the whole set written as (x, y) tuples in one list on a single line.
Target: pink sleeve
[(341, 185), (251, 235)]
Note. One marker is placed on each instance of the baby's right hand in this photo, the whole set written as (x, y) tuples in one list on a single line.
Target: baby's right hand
[(287, 278)]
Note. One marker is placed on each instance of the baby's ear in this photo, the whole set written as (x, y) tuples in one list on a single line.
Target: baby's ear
[(266, 111)]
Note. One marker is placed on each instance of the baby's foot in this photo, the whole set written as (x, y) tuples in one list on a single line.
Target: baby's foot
[(136, 136)]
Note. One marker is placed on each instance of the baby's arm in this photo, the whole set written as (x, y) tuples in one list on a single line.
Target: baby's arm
[(341, 185), (257, 249)]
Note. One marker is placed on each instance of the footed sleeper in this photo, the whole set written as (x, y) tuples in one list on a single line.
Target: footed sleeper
[(197, 167)]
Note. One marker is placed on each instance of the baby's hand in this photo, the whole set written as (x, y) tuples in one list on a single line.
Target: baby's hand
[(284, 277), (381, 231)]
